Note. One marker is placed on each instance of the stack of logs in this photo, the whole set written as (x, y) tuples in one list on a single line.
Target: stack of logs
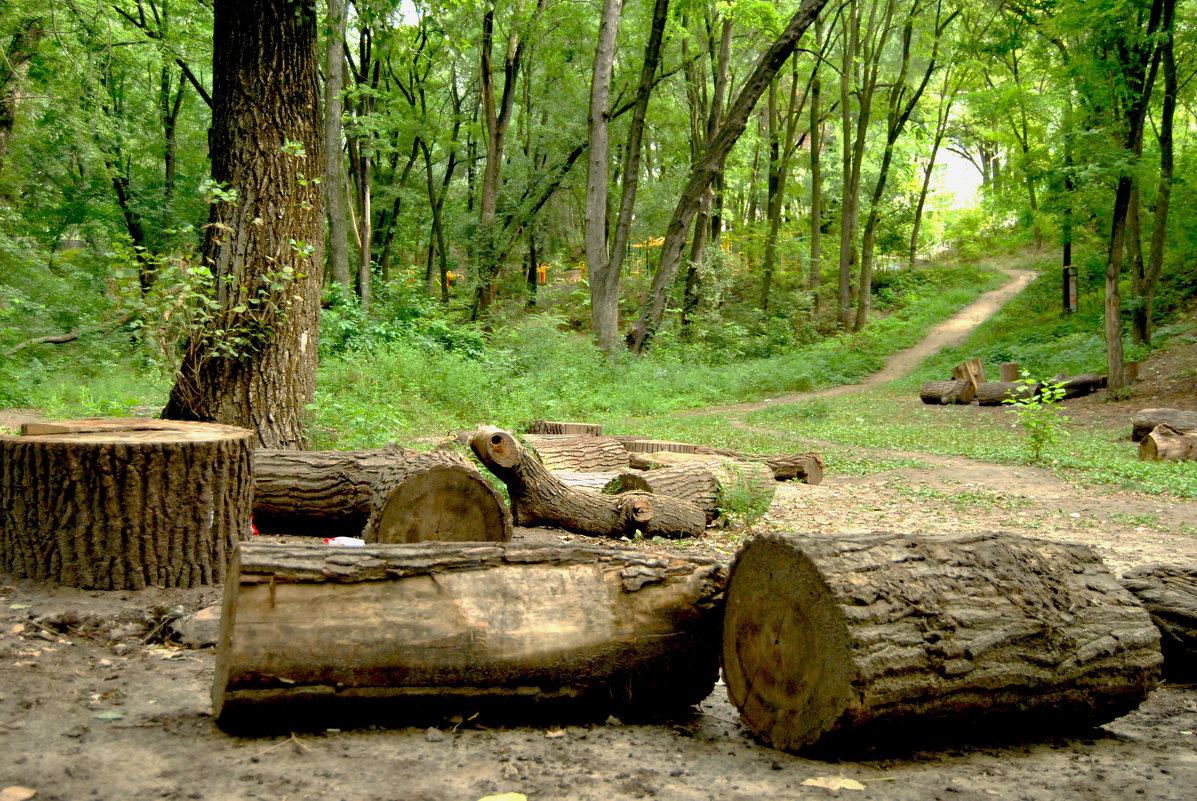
[(969, 385)]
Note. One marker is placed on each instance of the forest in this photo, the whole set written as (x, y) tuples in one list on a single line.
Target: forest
[(547, 208)]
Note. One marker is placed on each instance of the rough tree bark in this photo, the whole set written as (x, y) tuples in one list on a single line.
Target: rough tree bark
[(581, 454), (310, 633), (539, 498), (1147, 419), (123, 504), (853, 640), (1167, 444), (13, 67), (254, 365), (956, 390), (1169, 593)]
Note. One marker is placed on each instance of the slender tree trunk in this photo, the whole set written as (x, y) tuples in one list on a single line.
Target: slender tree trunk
[(703, 172), (604, 282), (334, 185), (816, 181), (851, 32), (254, 366)]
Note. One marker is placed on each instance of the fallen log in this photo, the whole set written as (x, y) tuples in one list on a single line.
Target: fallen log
[(997, 392), (704, 485), (1167, 444), (1077, 386), (948, 392), (856, 639), (1147, 419), (804, 467), (579, 454), (539, 498), (390, 494), (310, 634), (571, 429), (1169, 593), (124, 503)]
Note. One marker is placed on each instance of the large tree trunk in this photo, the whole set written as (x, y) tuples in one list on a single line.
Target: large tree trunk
[(13, 68), (859, 639), (1147, 419), (1167, 444), (254, 364), (1169, 594), (387, 495), (311, 634), (539, 498), (704, 171), (123, 504)]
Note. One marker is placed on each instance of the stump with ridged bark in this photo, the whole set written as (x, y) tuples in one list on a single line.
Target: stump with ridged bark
[(126, 503), (854, 640)]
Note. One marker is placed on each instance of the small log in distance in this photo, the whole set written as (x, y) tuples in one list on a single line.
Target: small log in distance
[(538, 498), (947, 392), (1167, 444), (579, 454), (856, 639), (1169, 593), (125, 503), (1077, 386), (1008, 371), (804, 467), (637, 445), (996, 392), (311, 634), (571, 429), (391, 494), (1147, 419)]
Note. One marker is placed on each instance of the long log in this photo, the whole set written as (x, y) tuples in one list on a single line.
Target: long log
[(579, 454), (1147, 419), (804, 467), (997, 392), (1167, 444), (314, 634), (947, 392), (124, 503), (857, 639), (1077, 386), (391, 494), (559, 427), (539, 498), (1169, 593)]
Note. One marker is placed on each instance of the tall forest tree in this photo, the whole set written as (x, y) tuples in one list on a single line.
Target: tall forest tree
[(254, 363)]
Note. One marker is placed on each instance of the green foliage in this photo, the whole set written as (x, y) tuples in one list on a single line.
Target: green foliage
[(742, 502), (1039, 414)]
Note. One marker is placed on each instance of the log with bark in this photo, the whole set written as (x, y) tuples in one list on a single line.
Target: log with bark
[(569, 429), (1077, 386), (1169, 593), (947, 392), (578, 454), (804, 467), (391, 494), (856, 639), (1147, 419), (972, 371), (997, 392), (125, 503), (315, 634), (706, 485), (539, 498), (1167, 444)]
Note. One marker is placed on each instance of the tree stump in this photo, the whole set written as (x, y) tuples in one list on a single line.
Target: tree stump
[(947, 392), (1167, 444), (1169, 593), (996, 393), (310, 633), (1008, 372), (1147, 419), (972, 371), (864, 638), (390, 494), (579, 454), (126, 503), (539, 498)]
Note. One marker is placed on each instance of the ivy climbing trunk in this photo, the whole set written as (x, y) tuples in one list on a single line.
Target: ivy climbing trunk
[(254, 363)]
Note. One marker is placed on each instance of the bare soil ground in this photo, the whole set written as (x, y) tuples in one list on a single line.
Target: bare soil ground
[(94, 705)]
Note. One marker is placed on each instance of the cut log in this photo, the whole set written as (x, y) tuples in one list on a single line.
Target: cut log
[(696, 484), (387, 495), (579, 454), (636, 445), (1147, 419), (804, 467), (1169, 593), (947, 392), (1009, 372), (538, 498), (571, 429), (1167, 444), (126, 503), (1077, 386), (972, 371), (997, 392), (855, 640), (313, 634)]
